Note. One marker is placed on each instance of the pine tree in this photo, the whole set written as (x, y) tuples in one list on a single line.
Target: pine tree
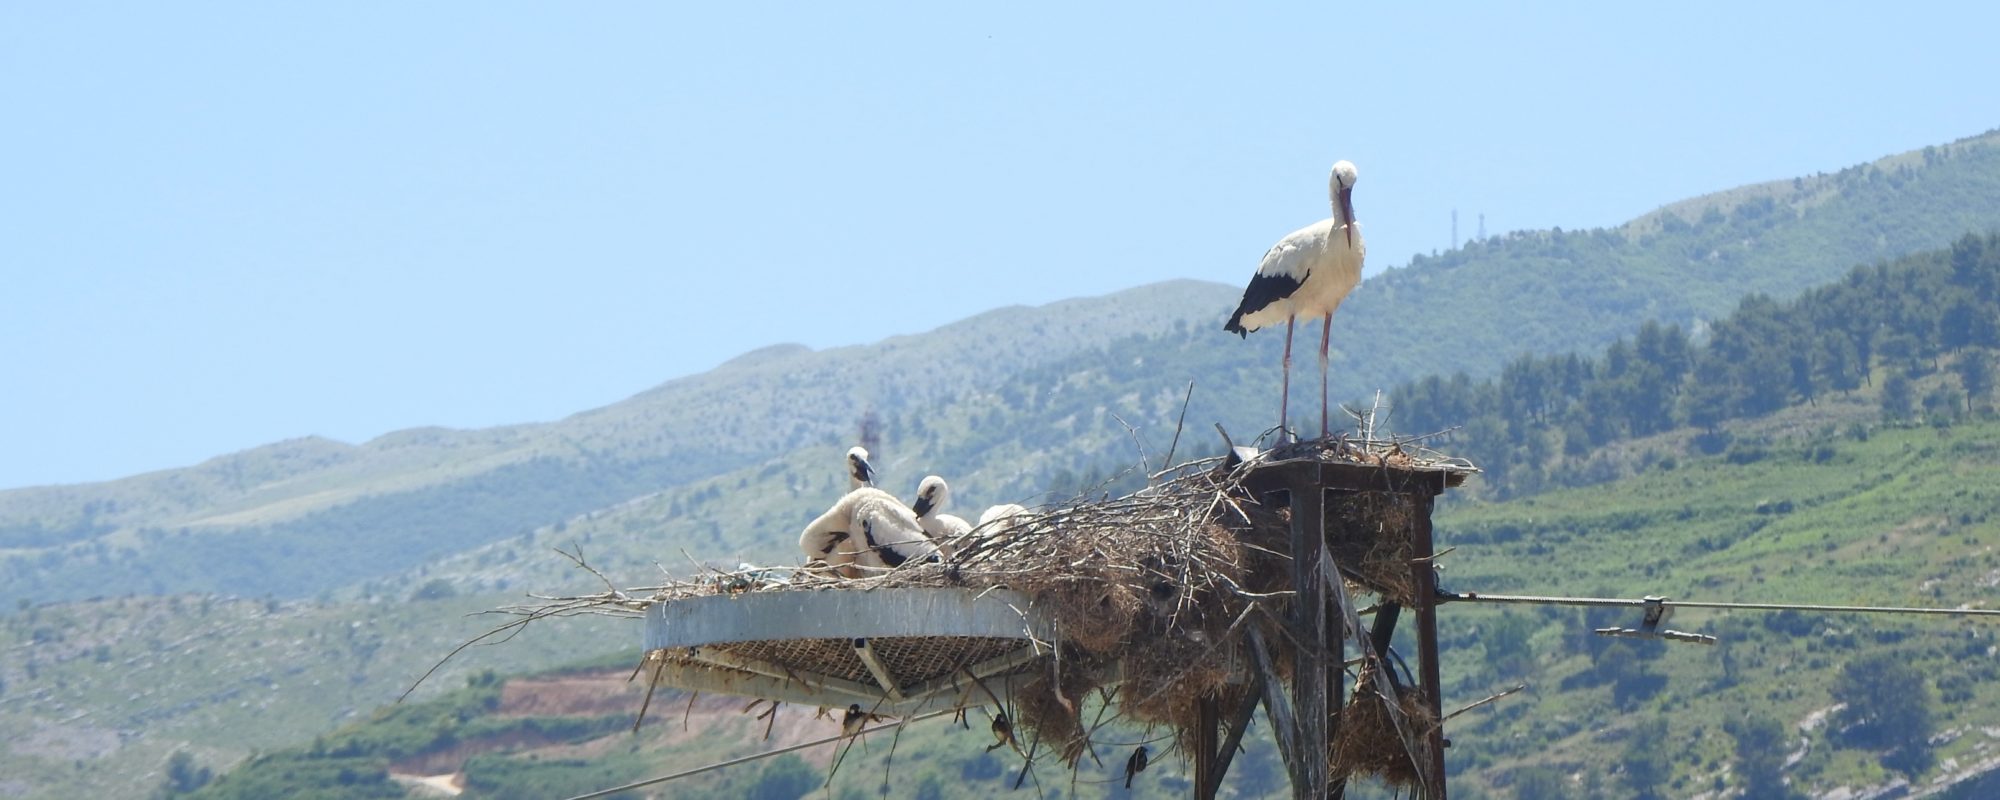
[(1898, 401), (1975, 375)]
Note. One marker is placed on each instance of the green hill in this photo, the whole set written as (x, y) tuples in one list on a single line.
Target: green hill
[(1827, 513), (1834, 495), (1010, 405), (243, 523), (1898, 516), (303, 517)]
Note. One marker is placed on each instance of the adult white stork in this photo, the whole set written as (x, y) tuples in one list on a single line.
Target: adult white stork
[(867, 530), (859, 472), (1307, 274), (933, 496)]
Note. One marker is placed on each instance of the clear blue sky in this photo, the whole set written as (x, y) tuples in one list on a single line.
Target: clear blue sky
[(222, 226)]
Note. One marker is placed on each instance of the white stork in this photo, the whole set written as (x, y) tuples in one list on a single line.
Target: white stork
[(1002, 511), (999, 520), (859, 472), (933, 496), (867, 530), (1307, 274), (827, 539)]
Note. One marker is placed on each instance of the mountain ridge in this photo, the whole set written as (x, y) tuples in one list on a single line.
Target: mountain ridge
[(1048, 427), (427, 492)]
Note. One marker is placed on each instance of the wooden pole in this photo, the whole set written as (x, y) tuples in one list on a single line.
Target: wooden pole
[(1239, 721), (1427, 641), (1309, 661), (1206, 776), (1336, 674), (1384, 631)]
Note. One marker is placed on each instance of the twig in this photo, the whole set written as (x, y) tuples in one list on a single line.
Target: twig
[(650, 686), (1134, 433), (1175, 444), (1484, 702)]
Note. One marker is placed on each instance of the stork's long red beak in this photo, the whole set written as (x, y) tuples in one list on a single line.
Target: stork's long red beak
[(1347, 210)]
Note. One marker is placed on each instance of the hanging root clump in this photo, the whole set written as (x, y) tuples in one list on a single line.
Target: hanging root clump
[(1368, 742)]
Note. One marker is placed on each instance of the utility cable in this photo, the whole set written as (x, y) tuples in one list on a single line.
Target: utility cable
[(1476, 597)]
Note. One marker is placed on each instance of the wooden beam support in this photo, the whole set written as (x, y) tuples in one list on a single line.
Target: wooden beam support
[(1310, 662), (1276, 706), (1206, 773), (1239, 721), (1384, 631), (890, 685), (1425, 579), (994, 666)]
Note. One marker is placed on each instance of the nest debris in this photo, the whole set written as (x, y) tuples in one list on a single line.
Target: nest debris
[(1368, 742)]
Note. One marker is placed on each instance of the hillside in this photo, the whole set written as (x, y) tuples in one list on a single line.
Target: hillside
[(1805, 511), (94, 696), (1835, 496), (234, 523), (1889, 517), (466, 517), (241, 523), (570, 731)]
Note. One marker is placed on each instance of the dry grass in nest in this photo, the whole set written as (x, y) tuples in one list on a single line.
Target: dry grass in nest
[(1095, 616), (1367, 743), (1163, 684), (1150, 581), (1368, 534), (1053, 713)]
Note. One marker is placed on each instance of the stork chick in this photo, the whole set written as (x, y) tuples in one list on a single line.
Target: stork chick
[(859, 472), (997, 520), (867, 530), (933, 496)]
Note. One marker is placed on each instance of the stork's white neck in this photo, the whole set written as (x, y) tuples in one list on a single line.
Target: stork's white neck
[(1341, 210)]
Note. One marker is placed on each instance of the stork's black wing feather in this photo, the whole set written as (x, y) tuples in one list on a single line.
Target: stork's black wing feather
[(889, 555), (1263, 291)]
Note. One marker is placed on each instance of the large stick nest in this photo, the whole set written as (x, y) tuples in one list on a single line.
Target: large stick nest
[(1149, 591)]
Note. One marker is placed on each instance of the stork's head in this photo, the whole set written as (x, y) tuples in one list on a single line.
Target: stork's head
[(932, 495), (1340, 187), (859, 472)]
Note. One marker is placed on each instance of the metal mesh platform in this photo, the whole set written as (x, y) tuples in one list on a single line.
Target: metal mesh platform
[(908, 659), (900, 650)]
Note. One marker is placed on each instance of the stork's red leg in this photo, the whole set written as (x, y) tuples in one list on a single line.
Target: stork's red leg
[(1285, 394), (1325, 330)]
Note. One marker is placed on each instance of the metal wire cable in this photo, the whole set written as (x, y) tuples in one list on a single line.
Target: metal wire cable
[(1476, 597)]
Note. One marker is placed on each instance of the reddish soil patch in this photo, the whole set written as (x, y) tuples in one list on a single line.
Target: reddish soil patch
[(669, 721), (587, 694)]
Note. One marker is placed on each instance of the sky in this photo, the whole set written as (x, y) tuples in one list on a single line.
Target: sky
[(227, 225)]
